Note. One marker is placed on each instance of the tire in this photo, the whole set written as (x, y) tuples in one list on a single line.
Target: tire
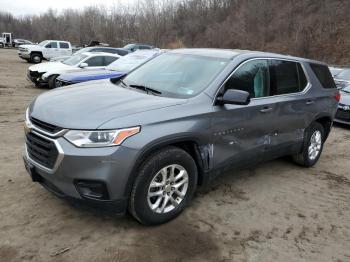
[(36, 58), (306, 158), (52, 81), (1, 45), (167, 159)]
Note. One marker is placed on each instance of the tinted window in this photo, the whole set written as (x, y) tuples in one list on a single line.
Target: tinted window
[(109, 59), (251, 77), (324, 75), (144, 47), (121, 52), (284, 77), (64, 45), (95, 61), (51, 45)]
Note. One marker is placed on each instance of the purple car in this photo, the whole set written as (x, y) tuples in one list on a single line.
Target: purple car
[(118, 68)]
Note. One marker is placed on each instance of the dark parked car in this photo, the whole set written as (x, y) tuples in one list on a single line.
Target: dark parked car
[(134, 47), (343, 113), (117, 69), (18, 42), (144, 142)]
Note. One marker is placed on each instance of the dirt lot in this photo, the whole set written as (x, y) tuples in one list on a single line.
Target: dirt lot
[(274, 212)]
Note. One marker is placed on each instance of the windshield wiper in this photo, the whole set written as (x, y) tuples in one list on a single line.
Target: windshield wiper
[(121, 81), (146, 89)]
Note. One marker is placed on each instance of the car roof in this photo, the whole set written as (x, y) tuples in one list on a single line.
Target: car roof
[(49, 40), (233, 53), (100, 53)]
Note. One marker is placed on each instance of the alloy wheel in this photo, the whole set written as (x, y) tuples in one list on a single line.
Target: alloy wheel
[(167, 189), (315, 145)]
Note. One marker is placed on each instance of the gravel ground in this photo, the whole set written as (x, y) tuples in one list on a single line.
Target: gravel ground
[(273, 212)]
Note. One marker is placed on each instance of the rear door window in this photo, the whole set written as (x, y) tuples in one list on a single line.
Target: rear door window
[(252, 77), (95, 61), (323, 75), (64, 45), (109, 60), (286, 77)]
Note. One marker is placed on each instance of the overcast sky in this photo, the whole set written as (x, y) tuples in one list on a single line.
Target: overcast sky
[(24, 7)]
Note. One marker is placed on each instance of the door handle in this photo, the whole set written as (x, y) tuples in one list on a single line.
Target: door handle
[(266, 109), (310, 102)]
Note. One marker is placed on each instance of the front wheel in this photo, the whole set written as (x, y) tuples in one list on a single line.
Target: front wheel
[(1, 45), (312, 146), (36, 58), (52, 81), (164, 186)]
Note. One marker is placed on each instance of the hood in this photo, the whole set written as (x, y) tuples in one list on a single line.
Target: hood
[(91, 104), (49, 66), (31, 46), (345, 98), (60, 58), (89, 75)]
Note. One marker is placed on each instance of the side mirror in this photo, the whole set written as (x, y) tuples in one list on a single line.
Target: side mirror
[(83, 65), (234, 97)]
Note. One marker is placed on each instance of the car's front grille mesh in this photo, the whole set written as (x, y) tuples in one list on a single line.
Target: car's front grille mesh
[(41, 150), (35, 74), (45, 126), (343, 115)]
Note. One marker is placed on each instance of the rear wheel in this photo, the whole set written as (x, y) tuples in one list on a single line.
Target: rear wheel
[(36, 58), (1, 45), (165, 185), (312, 146)]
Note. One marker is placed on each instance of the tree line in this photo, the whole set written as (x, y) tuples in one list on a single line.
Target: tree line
[(316, 29)]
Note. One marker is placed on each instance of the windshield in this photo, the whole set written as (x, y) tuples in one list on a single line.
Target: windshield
[(344, 74), (177, 75), (129, 46), (74, 60), (128, 62), (43, 43), (346, 89)]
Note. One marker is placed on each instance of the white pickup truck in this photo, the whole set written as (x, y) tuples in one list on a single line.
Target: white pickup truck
[(45, 50)]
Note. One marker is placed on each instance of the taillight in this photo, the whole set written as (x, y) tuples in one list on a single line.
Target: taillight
[(337, 96)]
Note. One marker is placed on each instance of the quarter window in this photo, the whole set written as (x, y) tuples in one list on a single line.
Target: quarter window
[(284, 77), (252, 77), (324, 75)]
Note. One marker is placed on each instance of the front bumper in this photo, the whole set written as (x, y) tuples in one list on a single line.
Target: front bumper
[(23, 55), (36, 78), (342, 116), (111, 166)]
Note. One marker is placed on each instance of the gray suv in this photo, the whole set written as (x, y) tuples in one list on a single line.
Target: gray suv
[(144, 142)]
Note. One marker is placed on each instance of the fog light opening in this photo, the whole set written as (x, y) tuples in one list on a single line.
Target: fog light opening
[(92, 189)]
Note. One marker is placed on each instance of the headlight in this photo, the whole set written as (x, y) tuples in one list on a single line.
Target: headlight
[(44, 76), (101, 138)]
